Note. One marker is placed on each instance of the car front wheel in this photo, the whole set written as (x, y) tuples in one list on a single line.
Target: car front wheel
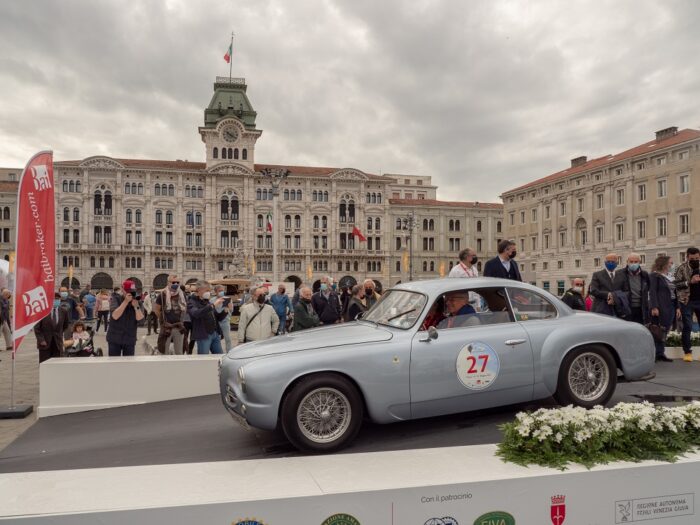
[(322, 413), (587, 377)]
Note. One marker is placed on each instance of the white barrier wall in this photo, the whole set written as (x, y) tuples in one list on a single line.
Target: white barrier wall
[(447, 486), (108, 382)]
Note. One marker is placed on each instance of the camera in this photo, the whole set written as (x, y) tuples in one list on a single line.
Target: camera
[(135, 295)]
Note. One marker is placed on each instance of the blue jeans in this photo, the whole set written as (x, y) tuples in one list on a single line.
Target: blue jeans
[(210, 344), (116, 350), (225, 326), (687, 315), (283, 324)]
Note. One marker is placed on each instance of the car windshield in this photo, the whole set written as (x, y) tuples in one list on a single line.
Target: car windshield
[(397, 308)]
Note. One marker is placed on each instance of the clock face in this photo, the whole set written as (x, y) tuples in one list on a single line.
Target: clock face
[(230, 134)]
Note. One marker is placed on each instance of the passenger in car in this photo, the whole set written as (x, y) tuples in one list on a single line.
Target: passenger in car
[(461, 312), (435, 315)]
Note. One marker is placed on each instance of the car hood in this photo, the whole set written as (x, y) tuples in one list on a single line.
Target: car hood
[(312, 339)]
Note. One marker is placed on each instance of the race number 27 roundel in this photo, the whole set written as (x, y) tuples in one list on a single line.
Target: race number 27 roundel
[(477, 365)]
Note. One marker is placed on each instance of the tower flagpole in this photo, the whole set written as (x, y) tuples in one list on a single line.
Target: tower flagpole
[(230, 62)]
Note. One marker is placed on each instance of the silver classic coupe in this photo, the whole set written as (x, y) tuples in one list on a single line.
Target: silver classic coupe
[(426, 349)]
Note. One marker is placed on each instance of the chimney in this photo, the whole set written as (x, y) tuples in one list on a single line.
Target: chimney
[(578, 161), (666, 133)]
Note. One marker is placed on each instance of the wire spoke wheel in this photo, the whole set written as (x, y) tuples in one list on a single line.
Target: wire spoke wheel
[(588, 376), (324, 415)]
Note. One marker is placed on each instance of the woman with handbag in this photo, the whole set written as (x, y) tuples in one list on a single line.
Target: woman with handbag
[(663, 304)]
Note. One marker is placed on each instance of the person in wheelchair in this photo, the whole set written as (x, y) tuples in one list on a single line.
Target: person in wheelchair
[(461, 313)]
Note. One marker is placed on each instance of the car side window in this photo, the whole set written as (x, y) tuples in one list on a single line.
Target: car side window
[(530, 306), (469, 307)]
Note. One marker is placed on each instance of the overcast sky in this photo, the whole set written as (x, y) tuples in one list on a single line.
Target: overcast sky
[(482, 95)]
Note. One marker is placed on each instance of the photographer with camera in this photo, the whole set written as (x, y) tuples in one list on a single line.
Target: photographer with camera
[(125, 313)]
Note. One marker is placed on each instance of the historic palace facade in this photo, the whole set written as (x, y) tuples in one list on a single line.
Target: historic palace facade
[(639, 200), (143, 219)]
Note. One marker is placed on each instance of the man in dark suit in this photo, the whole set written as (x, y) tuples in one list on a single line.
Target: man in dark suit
[(503, 266), (603, 285), (634, 282), (49, 331)]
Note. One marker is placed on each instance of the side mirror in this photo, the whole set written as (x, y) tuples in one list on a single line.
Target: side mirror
[(432, 334), (359, 315)]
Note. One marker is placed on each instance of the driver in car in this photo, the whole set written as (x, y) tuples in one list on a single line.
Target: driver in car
[(459, 309)]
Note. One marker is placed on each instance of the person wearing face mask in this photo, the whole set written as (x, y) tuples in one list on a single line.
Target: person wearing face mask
[(466, 267), (225, 323), (169, 308), (356, 304), (50, 331), (687, 281), (282, 304), (603, 286), (327, 303), (663, 304), (74, 308), (371, 297), (205, 312), (634, 283), (573, 297), (125, 313), (504, 265), (304, 314), (258, 320)]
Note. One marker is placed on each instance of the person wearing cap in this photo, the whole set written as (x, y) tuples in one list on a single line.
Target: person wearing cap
[(125, 313)]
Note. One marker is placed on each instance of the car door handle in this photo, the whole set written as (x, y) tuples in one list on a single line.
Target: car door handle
[(513, 342)]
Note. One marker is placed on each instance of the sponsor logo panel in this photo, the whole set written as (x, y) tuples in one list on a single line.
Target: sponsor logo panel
[(495, 517), (248, 521), (341, 519), (557, 511), (445, 520)]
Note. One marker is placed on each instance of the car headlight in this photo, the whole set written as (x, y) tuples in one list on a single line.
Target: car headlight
[(241, 379)]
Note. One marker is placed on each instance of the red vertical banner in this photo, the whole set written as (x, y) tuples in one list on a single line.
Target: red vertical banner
[(35, 258)]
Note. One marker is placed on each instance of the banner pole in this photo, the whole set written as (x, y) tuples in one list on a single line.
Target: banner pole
[(12, 382)]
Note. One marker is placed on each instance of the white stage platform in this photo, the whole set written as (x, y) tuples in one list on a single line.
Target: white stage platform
[(107, 382), (390, 488)]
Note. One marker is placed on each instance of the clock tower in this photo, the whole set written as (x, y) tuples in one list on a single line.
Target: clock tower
[(229, 132)]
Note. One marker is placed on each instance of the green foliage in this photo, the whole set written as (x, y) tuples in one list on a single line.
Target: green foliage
[(627, 432)]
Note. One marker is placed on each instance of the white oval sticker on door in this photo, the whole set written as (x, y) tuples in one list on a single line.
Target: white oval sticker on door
[(477, 365)]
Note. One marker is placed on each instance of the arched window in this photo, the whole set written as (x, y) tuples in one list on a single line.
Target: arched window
[(258, 194), (297, 222), (325, 196), (425, 224), (169, 217), (425, 266), (198, 219), (77, 186), (478, 226), (187, 190), (127, 262), (286, 195), (235, 153), (157, 189), (65, 261), (244, 154), (398, 224), (451, 225), (135, 189), (159, 217), (108, 235), (259, 221), (324, 222), (314, 196), (65, 186), (111, 262), (368, 198), (102, 262), (316, 222), (224, 153), (128, 216), (137, 215), (98, 203), (224, 239), (97, 235), (293, 195), (369, 266), (351, 211), (298, 195), (377, 223), (370, 223), (127, 188), (498, 227), (215, 152), (108, 203), (432, 266), (157, 262), (457, 225), (71, 186), (431, 224), (224, 209), (230, 153), (171, 190), (189, 218), (234, 208), (379, 198), (356, 266), (6, 214), (341, 211), (66, 214), (76, 214), (287, 222), (92, 261), (374, 198)]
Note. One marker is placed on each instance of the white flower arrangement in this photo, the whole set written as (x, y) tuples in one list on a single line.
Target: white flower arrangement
[(674, 338), (625, 432)]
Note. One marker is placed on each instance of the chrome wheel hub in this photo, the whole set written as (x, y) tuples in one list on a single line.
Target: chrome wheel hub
[(589, 376), (324, 415)]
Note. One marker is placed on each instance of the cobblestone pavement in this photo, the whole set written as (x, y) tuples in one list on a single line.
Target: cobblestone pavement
[(27, 382)]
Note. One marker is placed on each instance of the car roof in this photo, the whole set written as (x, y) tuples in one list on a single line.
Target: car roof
[(438, 286)]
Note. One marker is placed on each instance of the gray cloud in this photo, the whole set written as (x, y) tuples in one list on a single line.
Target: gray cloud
[(482, 95)]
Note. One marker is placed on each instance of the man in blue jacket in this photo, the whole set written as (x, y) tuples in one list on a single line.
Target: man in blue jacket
[(283, 307), (504, 265), (206, 312)]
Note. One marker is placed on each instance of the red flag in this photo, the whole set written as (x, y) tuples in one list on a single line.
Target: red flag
[(229, 52), (357, 233), (35, 260)]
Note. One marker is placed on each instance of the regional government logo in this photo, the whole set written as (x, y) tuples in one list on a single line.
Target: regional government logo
[(496, 517), (248, 521), (341, 519), (558, 509)]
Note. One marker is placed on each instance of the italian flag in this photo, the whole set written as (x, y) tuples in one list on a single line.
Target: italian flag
[(269, 221), (227, 56), (357, 233)]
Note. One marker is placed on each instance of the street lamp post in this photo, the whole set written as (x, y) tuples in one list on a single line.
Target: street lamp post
[(275, 176), (408, 224)]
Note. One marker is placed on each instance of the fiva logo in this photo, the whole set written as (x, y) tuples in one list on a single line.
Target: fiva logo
[(497, 517)]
